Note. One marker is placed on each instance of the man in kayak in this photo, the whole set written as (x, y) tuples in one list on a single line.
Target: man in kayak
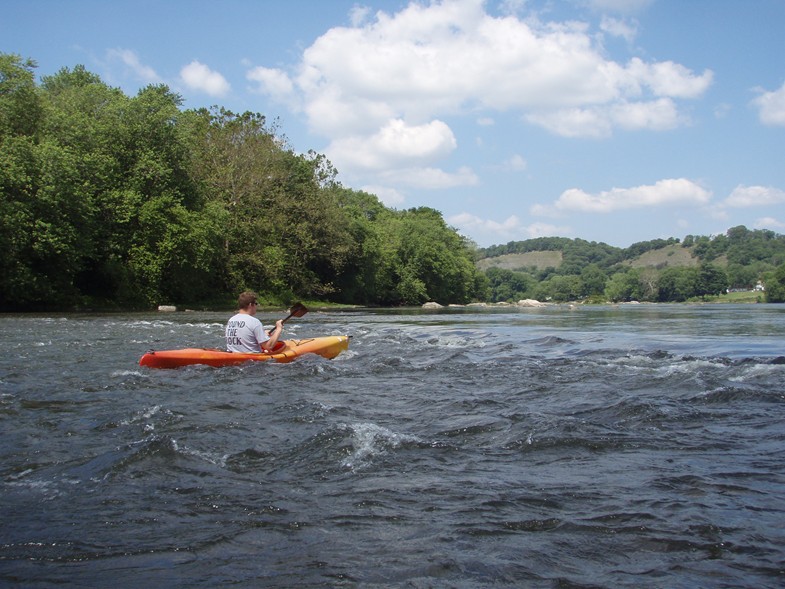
[(244, 332)]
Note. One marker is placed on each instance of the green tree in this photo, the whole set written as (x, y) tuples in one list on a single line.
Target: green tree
[(360, 280), (677, 284), (285, 231), (593, 279), (624, 286), (559, 288), (740, 276), (775, 285), (20, 106), (712, 280), (507, 285)]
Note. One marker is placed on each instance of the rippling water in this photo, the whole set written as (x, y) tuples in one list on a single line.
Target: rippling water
[(636, 446)]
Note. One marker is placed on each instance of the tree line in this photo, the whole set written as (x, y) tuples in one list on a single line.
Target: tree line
[(111, 201), (740, 259), (130, 202)]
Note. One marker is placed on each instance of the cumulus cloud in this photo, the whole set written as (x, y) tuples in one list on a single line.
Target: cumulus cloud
[(383, 89), (754, 196), (198, 76), (509, 228), (619, 28), (769, 223), (599, 122), (678, 191), (771, 106), (395, 145), (273, 82), (389, 196), (431, 178), (131, 61), (433, 60)]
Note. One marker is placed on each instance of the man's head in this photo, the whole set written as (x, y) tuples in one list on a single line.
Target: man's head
[(247, 301)]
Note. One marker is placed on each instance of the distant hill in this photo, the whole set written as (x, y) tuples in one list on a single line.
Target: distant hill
[(674, 255), (559, 268), (538, 259), (739, 246)]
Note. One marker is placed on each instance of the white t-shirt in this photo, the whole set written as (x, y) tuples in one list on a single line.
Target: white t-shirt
[(244, 333)]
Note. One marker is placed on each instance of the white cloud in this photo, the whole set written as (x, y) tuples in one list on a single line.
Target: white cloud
[(659, 115), (446, 58), (141, 72), (666, 78), (358, 15), (431, 178), (623, 6), (771, 106), (473, 222), (273, 82), (516, 163), (667, 192), (769, 223), (198, 76), (382, 89), (754, 196), (509, 228), (389, 196), (574, 122), (619, 28), (512, 6), (596, 121), (546, 230), (395, 145)]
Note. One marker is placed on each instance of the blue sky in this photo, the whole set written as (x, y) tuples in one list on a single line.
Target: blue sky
[(607, 120)]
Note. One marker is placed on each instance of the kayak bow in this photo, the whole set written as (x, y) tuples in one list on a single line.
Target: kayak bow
[(326, 347)]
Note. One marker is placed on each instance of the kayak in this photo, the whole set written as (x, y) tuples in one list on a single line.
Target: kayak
[(286, 351)]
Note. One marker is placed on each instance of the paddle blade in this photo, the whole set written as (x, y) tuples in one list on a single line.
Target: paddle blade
[(298, 310)]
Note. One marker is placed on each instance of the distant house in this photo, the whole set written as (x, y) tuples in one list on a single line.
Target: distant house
[(759, 287)]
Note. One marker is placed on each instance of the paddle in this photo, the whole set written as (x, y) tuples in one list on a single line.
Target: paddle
[(297, 310)]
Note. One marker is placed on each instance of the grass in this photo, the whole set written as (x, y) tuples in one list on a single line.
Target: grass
[(738, 297)]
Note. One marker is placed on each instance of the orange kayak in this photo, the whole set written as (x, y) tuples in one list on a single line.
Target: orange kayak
[(286, 351)]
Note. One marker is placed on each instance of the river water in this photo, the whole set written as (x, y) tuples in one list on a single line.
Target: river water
[(629, 446)]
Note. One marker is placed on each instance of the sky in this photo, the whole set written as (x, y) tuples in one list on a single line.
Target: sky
[(615, 121)]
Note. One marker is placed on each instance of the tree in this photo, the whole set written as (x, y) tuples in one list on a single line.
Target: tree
[(623, 286), (507, 285), (559, 288), (20, 106), (593, 279), (740, 276), (775, 285), (711, 280), (677, 284)]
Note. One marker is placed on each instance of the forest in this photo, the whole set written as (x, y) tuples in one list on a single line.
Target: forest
[(738, 260), (118, 202), (110, 201)]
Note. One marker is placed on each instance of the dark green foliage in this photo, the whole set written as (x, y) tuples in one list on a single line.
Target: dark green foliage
[(509, 286), (112, 200), (775, 285)]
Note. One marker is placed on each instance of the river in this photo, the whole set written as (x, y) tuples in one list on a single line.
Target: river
[(592, 446)]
